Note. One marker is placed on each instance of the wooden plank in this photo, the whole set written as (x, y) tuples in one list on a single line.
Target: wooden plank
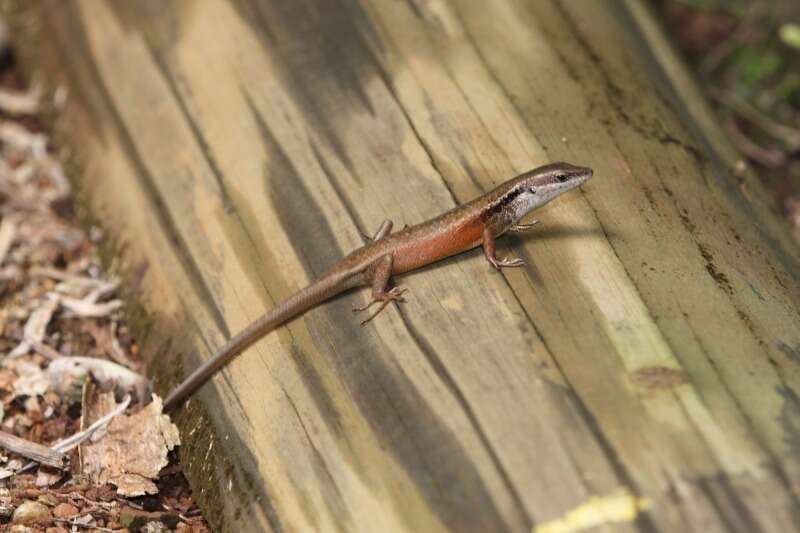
[(234, 151)]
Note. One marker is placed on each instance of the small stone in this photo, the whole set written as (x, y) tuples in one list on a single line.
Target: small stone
[(18, 528), (65, 510), (31, 513), (154, 527), (56, 529)]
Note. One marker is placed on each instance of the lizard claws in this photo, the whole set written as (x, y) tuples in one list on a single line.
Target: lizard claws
[(507, 262), (395, 294)]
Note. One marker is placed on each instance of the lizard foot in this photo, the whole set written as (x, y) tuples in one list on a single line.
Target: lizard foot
[(395, 294), (507, 262)]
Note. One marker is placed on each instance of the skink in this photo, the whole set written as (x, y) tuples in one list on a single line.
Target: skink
[(473, 224)]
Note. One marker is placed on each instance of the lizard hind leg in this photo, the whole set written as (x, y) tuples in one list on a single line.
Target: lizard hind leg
[(379, 276)]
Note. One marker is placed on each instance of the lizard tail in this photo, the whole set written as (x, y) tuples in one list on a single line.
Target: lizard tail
[(295, 305)]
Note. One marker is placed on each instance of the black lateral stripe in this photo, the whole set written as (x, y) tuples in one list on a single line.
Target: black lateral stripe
[(503, 201)]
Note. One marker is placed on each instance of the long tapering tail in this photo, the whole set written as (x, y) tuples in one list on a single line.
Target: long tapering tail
[(297, 304)]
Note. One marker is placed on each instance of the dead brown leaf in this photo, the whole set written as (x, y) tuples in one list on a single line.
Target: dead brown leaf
[(133, 450)]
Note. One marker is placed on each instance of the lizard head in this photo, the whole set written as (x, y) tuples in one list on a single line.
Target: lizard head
[(535, 188)]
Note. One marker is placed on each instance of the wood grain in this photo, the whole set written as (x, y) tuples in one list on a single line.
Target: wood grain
[(234, 150)]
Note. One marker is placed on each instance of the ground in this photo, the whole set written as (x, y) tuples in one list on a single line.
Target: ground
[(57, 304)]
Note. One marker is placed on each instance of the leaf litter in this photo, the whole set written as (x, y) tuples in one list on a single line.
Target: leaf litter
[(84, 444)]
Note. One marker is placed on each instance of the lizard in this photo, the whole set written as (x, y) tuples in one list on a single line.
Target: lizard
[(387, 254)]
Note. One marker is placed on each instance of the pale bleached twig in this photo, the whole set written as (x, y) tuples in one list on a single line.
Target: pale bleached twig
[(45, 350), (89, 309), (107, 288), (36, 326), (76, 439), (62, 275), (75, 523)]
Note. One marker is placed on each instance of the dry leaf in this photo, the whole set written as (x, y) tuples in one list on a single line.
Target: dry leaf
[(65, 370), (32, 380), (133, 450)]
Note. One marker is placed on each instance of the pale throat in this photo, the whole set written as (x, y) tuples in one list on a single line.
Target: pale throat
[(525, 203)]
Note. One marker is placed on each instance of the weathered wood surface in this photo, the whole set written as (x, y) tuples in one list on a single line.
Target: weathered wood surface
[(234, 150)]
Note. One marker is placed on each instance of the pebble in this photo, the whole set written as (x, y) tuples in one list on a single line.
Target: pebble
[(30, 512), (65, 510)]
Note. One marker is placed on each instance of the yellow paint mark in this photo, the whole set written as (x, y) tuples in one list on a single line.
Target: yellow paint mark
[(619, 506)]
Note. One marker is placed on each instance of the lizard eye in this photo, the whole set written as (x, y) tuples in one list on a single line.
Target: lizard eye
[(561, 178)]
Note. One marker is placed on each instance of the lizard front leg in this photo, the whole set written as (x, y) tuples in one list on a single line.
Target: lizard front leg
[(378, 274), (489, 252)]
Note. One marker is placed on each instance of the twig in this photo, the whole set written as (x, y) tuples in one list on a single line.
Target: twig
[(60, 275), (79, 524), (768, 157), (106, 506), (74, 440), (88, 309), (788, 135), (38, 452), (45, 350), (35, 327)]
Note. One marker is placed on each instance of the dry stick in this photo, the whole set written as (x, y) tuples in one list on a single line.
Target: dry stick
[(70, 442), (31, 450), (768, 157), (788, 135), (75, 523)]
